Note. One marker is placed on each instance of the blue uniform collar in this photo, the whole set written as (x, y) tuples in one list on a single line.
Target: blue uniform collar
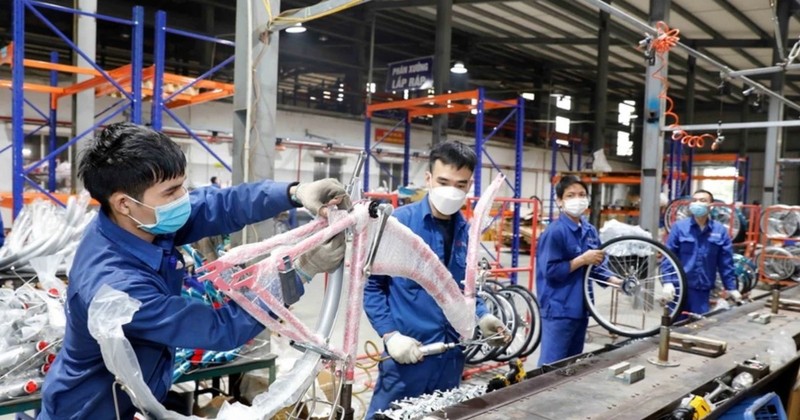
[(573, 226), (709, 224), (147, 252), (457, 217)]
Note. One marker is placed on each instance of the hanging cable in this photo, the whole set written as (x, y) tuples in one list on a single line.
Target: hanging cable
[(659, 46)]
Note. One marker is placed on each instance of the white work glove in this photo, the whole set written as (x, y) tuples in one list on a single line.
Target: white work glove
[(735, 295), (318, 194), (490, 325), (668, 290), (403, 349), (322, 259)]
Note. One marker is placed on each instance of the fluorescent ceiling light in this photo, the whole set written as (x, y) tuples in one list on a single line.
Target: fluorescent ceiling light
[(298, 28), (528, 96), (458, 68)]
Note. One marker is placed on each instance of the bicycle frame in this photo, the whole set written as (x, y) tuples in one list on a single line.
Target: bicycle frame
[(252, 288)]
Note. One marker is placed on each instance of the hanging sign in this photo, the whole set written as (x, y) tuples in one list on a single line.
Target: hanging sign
[(413, 74), (394, 137)]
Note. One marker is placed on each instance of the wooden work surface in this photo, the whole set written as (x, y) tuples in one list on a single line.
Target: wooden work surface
[(582, 390)]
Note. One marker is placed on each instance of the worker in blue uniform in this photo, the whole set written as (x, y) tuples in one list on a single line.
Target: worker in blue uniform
[(704, 248), (565, 250), (402, 312), (137, 176)]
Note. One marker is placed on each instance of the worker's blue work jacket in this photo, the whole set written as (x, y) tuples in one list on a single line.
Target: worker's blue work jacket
[(702, 253), (78, 385), (560, 291), (400, 304)]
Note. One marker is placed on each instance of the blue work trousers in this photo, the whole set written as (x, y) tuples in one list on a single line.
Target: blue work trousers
[(562, 338)]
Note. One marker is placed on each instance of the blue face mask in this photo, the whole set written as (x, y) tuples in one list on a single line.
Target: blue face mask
[(698, 209), (169, 217)]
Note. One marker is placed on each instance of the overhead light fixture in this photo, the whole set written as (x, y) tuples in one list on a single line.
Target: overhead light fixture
[(458, 68), (297, 28), (528, 96)]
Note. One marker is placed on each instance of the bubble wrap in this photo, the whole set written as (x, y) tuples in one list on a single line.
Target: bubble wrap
[(479, 222)]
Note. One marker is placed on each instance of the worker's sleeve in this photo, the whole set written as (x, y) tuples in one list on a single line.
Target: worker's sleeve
[(376, 304), (669, 274), (555, 258), (178, 322), (222, 211), (599, 272), (480, 307), (725, 262)]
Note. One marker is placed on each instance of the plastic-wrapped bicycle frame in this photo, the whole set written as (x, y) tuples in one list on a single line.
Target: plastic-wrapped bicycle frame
[(376, 249)]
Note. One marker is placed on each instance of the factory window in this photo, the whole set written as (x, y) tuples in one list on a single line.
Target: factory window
[(627, 112), (391, 175), (325, 167), (564, 102), (562, 125), (624, 144)]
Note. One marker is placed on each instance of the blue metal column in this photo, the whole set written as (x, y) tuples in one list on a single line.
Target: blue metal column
[(367, 143), (518, 185), (553, 162), (671, 167), (53, 117), (17, 106), (137, 59), (479, 143), (406, 149), (158, 62)]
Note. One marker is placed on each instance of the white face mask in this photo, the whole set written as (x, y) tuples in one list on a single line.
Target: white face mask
[(576, 206), (447, 200)]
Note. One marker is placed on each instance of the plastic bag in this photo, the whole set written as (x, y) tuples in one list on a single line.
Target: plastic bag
[(781, 349)]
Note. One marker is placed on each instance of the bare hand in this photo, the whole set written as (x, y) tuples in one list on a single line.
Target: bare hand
[(593, 257)]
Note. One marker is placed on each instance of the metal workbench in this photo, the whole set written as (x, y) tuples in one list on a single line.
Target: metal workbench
[(581, 389)]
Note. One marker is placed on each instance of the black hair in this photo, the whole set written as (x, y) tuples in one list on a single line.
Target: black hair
[(128, 158), (705, 192), (213, 180), (567, 181), (453, 153)]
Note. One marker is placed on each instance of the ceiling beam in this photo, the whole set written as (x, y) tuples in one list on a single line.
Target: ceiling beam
[(544, 40), (405, 4)]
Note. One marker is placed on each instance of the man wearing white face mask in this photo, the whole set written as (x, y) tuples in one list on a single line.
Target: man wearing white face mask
[(565, 250), (137, 176), (704, 248), (403, 313)]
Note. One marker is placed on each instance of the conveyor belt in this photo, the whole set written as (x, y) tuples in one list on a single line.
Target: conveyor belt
[(582, 390)]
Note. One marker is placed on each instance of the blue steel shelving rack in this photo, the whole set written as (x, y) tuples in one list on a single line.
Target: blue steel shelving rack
[(131, 99), (160, 102), (447, 104)]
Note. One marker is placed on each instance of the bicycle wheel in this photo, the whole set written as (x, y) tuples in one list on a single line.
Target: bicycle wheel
[(780, 221), (777, 263), (632, 307), (676, 210), (535, 320), (524, 313), (479, 353)]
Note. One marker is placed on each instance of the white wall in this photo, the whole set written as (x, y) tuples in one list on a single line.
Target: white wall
[(303, 127)]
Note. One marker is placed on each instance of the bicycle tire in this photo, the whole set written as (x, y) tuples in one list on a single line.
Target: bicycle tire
[(525, 325), (623, 253), (536, 318)]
